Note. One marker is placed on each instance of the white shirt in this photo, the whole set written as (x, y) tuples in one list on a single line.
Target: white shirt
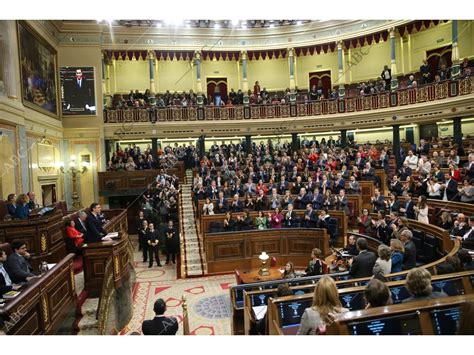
[(434, 190), (467, 234), (412, 161), (8, 281)]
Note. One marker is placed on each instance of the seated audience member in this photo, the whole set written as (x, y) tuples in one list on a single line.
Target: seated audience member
[(153, 245), (396, 246), (446, 221), (276, 218), (365, 222), (261, 222), (18, 265), (383, 264), (160, 325), (351, 247), (22, 210), (316, 265), (74, 234), (282, 291), (32, 205), (377, 294), (208, 207), (409, 257), (363, 264), (466, 260), (245, 222), (468, 236), (418, 284), (460, 227), (326, 305), (466, 322), (466, 191), (289, 272), (11, 205), (229, 222), (6, 283), (450, 265), (94, 228)]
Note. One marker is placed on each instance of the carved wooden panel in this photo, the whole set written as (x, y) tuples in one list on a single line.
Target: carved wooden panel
[(269, 246), (225, 250)]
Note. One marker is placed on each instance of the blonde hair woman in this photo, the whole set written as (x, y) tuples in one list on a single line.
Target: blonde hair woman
[(326, 305)]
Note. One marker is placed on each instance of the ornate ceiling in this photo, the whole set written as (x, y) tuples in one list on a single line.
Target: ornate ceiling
[(210, 34)]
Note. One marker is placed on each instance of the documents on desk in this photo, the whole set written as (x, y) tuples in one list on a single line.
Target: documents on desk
[(112, 235), (259, 312)]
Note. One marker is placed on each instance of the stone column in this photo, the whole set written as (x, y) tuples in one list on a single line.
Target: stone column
[(340, 66), (245, 84), (394, 81), (107, 151), (9, 60), (248, 144), (396, 145), (154, 149), (294, 142), (291, 61), (457, 131), (151, 56), (343, 138), (455, 69), (197, 63)]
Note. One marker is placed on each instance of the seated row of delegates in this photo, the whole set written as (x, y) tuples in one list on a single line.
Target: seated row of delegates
[(326, 305)]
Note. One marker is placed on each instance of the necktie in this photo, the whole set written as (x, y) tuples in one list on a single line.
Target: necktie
[(8, 281), (79, 83)]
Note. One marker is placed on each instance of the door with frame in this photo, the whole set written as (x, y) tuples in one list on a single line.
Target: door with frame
[(321, 79), (217, 87)]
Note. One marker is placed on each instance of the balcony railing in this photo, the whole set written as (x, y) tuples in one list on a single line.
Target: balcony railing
[(399, 98)]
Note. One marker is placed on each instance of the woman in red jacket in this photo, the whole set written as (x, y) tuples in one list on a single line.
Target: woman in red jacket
[(74, 234), (454, 172)]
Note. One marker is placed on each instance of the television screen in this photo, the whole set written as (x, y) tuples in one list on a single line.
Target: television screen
[(399, 293), (291, 312), (260, 299), (77, 91), (445, 321), (407, 324), (353, 301), (452, 287)]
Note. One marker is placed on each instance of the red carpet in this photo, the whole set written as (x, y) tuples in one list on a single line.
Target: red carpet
[(77, 262)]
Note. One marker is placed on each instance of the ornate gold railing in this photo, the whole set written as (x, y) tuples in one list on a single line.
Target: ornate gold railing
[(399, 98)]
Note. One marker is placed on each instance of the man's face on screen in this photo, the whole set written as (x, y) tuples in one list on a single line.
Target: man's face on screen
[(78, 74)]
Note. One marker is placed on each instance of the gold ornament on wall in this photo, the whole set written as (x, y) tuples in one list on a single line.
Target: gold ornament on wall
[(44, 309)]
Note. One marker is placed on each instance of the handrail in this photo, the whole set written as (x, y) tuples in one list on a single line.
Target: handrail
[(399, 98)]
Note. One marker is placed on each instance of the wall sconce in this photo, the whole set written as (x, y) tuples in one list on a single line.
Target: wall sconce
[(74, 169), (264, 258)]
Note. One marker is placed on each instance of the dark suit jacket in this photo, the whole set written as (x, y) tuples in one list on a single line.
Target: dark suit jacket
[(452, 189), (22, 211), (291, 220), (363, 264), (81, 229), (224, 207), (94, 228), (409, 257), (410, 211), (18, 268), (160, 325)]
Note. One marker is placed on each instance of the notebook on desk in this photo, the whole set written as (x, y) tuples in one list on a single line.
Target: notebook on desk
[(113, 235)]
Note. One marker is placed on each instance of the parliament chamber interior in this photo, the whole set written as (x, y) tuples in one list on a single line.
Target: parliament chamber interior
[(224, 177)]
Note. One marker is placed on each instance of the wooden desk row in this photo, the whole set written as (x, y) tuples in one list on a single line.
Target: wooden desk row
[(42, 235), (228, 251), (352, 298), (41, 307), (340, 216)]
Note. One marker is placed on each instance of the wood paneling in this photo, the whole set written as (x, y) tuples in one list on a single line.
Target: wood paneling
[(240, 250)]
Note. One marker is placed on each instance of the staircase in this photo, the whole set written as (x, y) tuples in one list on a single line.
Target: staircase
[(192, 253)]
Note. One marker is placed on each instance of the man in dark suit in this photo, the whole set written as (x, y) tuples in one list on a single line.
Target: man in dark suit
[(160, 325), (362, 264), (95, 231), (450, 188), (408, 208), (468, 237), (460, 227), (80, 94), (396, 186), (409, 256), (18, 267), (317, 199), (378, 201), (221, 203), (405, 171), (291, 219), (6, 283), (81, 224), (310, 218), (282, 186), (154, 243), (236, 205), (32, 205)]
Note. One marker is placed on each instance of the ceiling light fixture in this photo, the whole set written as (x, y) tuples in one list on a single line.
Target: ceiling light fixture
[(216, 25), (235, 22), (299, 23)]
